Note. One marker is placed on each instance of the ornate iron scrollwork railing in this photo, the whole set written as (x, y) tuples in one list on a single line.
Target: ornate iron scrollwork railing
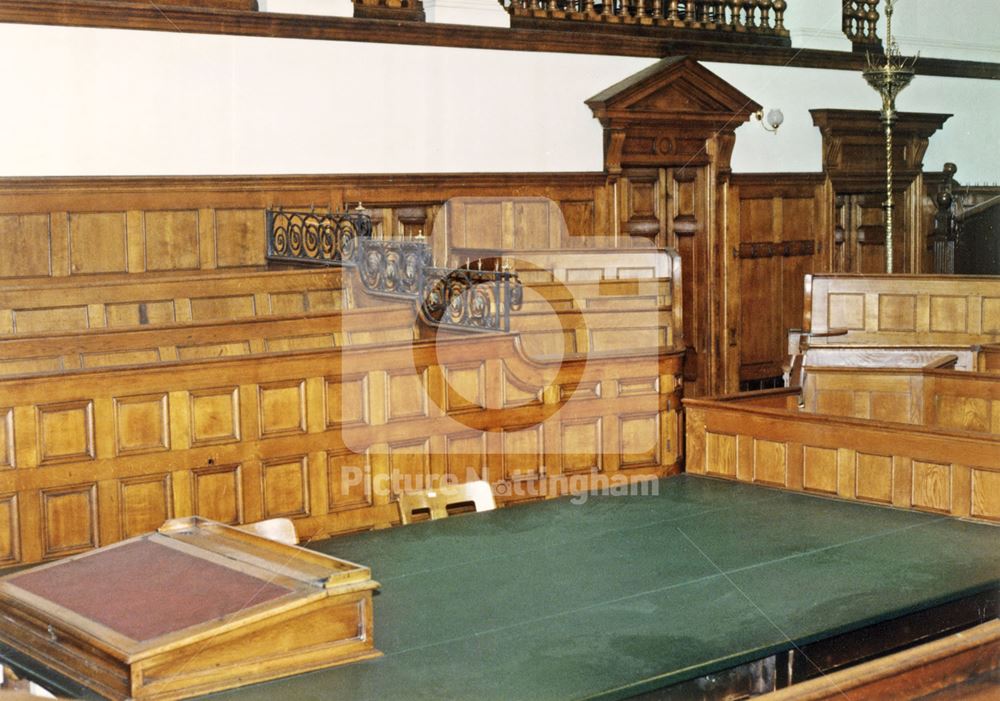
[(470, 299), (463, 298), (393, 267), (316, 238)]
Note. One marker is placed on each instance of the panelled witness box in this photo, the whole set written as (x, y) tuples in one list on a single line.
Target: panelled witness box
[(195, 607)]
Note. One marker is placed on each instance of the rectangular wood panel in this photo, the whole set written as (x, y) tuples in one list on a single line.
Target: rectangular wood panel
[(466, 387), (282, 407), (465, 457), (142, 424), (69, 519), (97, 243), (218, 493), (639, 436), (819, 469), (28, 235), (10, 531), (720, 454), (873, 478), (931, 486), (349, 480), (347, 400), (6, 437), (406, 394), (523, 453), (770, 462), (65, 432), (144, 503), (239, 237), (986, 494), (215, 416), (285, 487), (172, 240), (409, 466), (582, 445)]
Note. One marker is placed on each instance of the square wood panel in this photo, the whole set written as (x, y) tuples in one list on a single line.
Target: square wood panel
[(582, 445), (466, 387), (897, 312), (349, 480), (65, 432), (97, 243), (282, 408), (218, 493), (873, 478), (172, 240), (639, 439), (347, 400), (845, 311), (29, 234), (69, 519), (931, 486), (215, 416), (406, 395), (949, 314), (144, 503), (466, 456), (142, 424), (239, 237), (285, 487), (819, 469), (720, 454)]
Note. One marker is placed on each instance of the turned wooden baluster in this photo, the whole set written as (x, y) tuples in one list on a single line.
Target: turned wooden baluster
[(765, 11), (748, 11), (658, 9), (588, 7), (871, 22), (672, 10), (779, 16), (734, 13)]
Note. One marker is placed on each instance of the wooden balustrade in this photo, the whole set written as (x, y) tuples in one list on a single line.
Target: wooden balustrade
[(758, 20), (860, 23)]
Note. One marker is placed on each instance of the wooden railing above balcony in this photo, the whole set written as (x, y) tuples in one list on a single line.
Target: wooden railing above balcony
[(753, 21)]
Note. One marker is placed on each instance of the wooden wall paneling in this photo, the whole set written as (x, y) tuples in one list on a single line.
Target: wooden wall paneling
[(874, 461), (775, 234), (239, 440)]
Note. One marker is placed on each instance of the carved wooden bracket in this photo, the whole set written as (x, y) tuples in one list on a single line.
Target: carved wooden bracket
[(667, 114)]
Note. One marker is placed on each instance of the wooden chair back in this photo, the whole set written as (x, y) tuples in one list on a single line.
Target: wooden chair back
[(281, 530), (436, 501)]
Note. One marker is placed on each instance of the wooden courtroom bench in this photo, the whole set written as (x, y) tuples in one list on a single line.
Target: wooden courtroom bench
[(111, 301), (896, 320), (54, 353), (573, 332), (325, 437), (927, 439)]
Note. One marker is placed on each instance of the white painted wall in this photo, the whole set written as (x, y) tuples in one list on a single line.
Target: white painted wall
[(116, 102)]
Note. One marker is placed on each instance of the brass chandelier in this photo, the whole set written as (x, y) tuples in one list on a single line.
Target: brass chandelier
[(888, 75)]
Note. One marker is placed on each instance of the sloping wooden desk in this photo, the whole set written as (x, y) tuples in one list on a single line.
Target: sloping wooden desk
[(195, 607), (711, 583)]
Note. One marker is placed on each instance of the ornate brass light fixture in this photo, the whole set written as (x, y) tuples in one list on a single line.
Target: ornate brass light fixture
[(888, 75)]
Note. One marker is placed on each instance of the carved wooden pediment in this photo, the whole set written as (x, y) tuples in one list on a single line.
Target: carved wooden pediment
[(664, 114)]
